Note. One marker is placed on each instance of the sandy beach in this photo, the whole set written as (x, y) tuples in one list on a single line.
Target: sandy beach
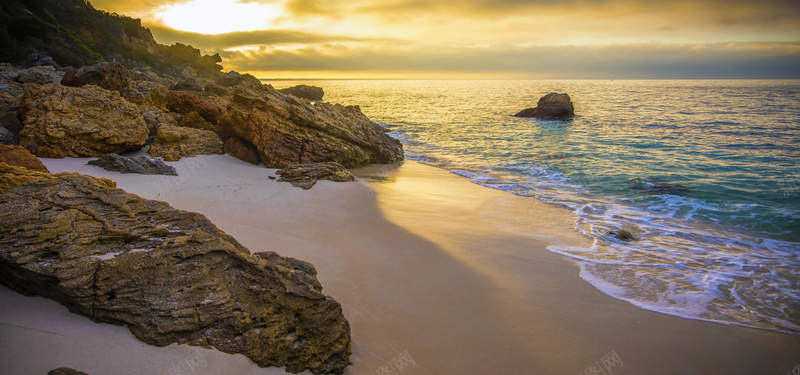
[(436, 275)]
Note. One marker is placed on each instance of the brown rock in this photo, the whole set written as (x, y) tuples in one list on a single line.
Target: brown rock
[(108, 75), (170, 275), (242, 150), (185, 102), (62, 121), (290, 130), (11, 177), (20, 157), (195, 121), (173, 143), (306, 175), (305, 92), (552, 106), (38, 74)]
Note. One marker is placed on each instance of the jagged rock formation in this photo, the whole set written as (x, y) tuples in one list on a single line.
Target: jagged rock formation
[(306, 175), (171, 276), (62, 121), (291, 130), (11, 177), (140, 165), (306, 92), (173, 143), (552, 106), (18, 156)]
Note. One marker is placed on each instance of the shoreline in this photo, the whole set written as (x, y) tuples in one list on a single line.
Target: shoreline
[(429, 272)]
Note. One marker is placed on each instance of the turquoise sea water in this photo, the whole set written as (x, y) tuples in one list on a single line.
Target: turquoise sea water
[(704, 174)]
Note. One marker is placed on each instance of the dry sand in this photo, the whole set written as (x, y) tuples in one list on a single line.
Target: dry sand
[(436, 276)]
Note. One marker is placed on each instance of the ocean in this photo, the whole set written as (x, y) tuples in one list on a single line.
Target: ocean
[(704, 174)]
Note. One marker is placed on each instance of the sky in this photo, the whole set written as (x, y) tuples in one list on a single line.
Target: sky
[(484, 39)]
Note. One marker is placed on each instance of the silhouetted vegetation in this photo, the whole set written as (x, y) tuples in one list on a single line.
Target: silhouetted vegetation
[(73, 33)]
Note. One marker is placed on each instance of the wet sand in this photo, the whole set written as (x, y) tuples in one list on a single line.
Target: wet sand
[(436, 276)]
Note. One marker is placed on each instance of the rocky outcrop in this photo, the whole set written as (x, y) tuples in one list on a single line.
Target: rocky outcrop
[(38, 74), (306, 92), (186, 102), (242, 150), (62, 121), (235, 78), (170, 275), (20, 157), (552, 106), (140, 165), (306, 175), (173, 143), (288, 131)]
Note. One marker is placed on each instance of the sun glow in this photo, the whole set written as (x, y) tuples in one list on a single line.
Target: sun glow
[(218, 16)]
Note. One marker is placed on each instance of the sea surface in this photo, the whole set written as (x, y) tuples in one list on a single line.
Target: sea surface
[(704, 174)]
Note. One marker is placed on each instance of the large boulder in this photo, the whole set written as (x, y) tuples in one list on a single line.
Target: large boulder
[(20, 157), (306, 175), (38, 74), (108, 75), (7, 137), (62, 121), (170, 275), (174, 142), (186, 102), (287, 130), (140, 165), (305, 92), (552, 106)]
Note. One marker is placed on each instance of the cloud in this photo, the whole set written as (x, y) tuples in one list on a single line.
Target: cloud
[(736, 60), (248, 38)]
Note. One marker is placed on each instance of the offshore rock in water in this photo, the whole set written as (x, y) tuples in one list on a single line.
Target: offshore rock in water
[(140, 165), (552, 106), (62, 121), (287, 130), (170, 275), (621, 234), (655, 186), (306, 175)]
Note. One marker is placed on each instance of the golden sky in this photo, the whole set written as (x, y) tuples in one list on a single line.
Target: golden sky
[(484, 38)]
